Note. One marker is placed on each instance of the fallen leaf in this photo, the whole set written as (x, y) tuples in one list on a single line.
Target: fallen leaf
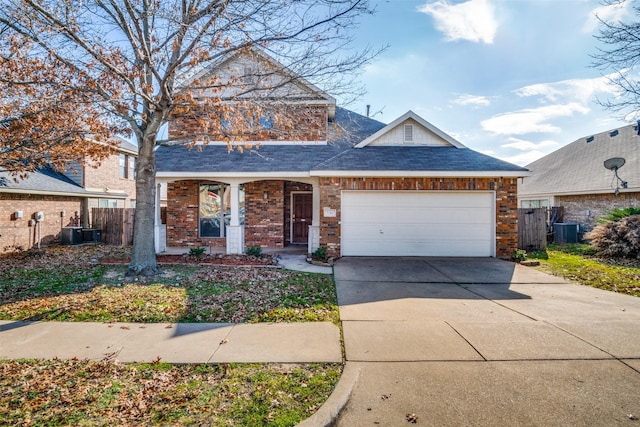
[(412, 418)]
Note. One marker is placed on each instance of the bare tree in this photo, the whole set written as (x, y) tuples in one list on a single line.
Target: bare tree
[(618, 56), (156, 50)]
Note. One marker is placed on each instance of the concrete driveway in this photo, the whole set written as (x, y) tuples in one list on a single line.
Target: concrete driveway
[(485, 342)]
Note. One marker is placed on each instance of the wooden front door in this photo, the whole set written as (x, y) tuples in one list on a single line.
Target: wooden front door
[(301, 217)]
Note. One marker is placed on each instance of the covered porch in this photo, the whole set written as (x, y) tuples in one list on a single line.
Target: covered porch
[(234, 213)]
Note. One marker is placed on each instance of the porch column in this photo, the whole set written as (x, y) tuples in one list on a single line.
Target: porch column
[(314, 228), (235, 232), (160, 232)]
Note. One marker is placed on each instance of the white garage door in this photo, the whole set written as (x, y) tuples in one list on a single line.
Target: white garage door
[(413, 223)]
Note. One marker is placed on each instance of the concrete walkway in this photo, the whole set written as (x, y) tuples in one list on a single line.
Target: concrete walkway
[(484, 342), (172, 343)]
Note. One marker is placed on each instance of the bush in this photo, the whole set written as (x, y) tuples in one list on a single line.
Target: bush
[(196, 251), (618, 214), (617, 239), (519, 255), (254, 251), (320, 253)]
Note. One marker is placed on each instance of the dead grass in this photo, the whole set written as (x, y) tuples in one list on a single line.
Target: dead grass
[(74, 392), (68, 284)]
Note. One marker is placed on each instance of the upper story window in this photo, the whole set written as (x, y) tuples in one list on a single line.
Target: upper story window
[(127, 166), (132, 167)]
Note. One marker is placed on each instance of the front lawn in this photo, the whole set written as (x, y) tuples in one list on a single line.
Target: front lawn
[(577, 264), (70, 284), (73, 392)]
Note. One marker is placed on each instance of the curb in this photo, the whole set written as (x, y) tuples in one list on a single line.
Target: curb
[(328, 413)]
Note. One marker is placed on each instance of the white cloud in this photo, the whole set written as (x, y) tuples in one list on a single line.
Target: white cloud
[(579, 90), (523, 145), (523, 159), (613, 12), (473, 100), (531, 120), (473, 20)]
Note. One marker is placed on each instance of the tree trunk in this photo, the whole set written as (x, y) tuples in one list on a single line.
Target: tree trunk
[(143, 256)]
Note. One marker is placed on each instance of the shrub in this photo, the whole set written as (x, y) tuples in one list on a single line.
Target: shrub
[(519, 255), (196, 251), (617, 239), (254, 251), (320, 253), (618, 213)]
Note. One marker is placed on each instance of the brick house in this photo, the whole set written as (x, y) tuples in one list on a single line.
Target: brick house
[(342, 181), (575, 177), (65, 199)]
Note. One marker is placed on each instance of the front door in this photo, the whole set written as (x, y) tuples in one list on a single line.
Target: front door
[(301, 217)]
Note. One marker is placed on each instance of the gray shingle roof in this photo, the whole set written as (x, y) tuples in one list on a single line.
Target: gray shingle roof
[(43, 180), (348, 130), (417, 158), (579, 167)]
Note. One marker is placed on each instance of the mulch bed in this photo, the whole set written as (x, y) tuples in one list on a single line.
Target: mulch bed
[(203, 259)]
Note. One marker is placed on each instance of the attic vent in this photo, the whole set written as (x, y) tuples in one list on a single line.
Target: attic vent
[(408, 133), (248, 75)]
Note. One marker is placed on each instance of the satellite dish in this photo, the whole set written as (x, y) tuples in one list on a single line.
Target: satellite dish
[(614, 163)]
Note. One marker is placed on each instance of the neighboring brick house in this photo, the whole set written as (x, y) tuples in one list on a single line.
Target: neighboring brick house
[(575, 177), (350, 183), (65, 199)]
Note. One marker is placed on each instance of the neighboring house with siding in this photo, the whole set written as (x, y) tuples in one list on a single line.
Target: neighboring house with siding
[(65, 199), (575, 178), (342, 181)]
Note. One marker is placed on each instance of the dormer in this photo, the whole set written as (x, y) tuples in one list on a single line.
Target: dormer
[(270, 90)]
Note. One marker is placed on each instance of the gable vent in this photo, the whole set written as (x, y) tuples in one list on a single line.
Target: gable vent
[(408, 133)]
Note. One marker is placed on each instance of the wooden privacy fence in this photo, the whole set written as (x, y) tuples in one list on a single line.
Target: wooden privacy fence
[(532, 229), (116, 224)]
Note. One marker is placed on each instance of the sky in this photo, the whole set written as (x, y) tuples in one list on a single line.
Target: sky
[(509, 78)]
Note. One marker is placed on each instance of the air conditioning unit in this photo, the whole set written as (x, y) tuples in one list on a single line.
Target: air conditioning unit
[(91, 235), (565, 232), (71, 236)]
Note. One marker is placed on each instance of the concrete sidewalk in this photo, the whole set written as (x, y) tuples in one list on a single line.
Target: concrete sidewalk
[(484, 342), (173, 343)]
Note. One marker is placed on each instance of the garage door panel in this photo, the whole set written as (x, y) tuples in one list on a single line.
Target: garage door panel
[(415, 215), (383, 223), (421, 248), (418, 232)]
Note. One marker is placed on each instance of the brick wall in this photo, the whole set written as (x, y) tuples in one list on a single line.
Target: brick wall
[(17, 234), (292, 123), (183, 217), (587, 209), (506, 203), (264, 219), (107, 175)]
